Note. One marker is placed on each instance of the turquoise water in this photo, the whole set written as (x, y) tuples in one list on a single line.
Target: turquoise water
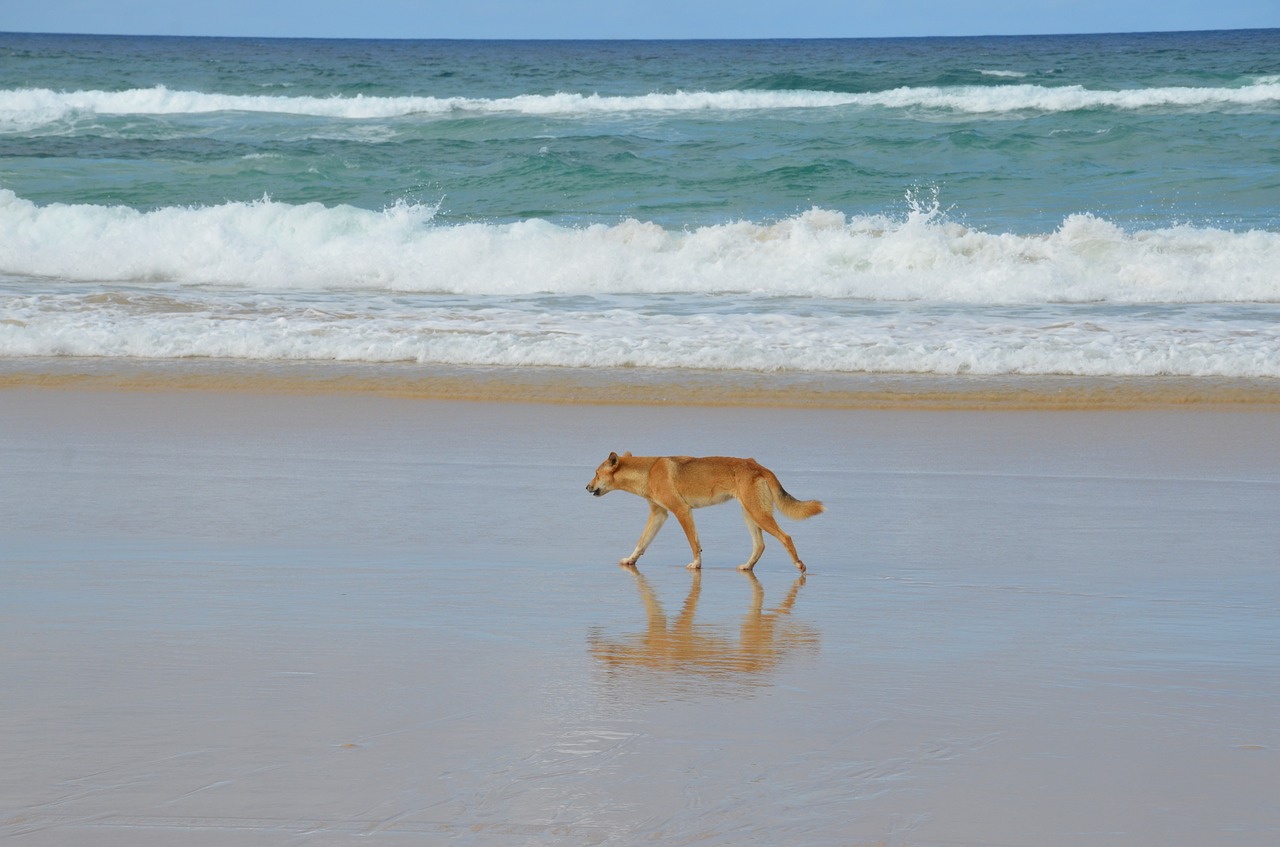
[(1090, 205)]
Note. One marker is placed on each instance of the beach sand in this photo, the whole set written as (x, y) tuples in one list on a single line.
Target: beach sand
[(251, 617)]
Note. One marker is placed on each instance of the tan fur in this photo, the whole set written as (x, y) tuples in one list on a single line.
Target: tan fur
[(681, 484)]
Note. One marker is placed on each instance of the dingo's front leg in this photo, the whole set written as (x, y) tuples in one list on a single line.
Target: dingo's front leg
[(685, 516), (657, 517)]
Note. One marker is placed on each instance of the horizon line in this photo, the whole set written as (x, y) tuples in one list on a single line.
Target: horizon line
[(588, 39)]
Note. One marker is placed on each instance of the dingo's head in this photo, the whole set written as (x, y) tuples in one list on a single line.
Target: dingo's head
[(602, 483)]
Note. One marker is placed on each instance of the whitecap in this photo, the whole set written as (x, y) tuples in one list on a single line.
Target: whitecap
[(921, 255), (25, 108)]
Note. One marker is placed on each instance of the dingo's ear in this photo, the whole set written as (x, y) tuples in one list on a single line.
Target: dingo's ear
[(626, 454), (612, 460)]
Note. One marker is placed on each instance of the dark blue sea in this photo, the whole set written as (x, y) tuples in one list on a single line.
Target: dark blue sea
[(1103, 205)]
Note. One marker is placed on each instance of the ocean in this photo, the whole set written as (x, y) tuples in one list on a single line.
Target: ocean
[(1096, 206)]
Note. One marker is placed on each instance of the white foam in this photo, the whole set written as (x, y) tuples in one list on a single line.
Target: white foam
[(921, 255), (31, 107), (816, 292), (164, 325)]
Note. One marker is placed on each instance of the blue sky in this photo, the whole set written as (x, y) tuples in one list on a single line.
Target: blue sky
[(629, 18)]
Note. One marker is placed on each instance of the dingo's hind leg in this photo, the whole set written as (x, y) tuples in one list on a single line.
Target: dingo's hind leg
[(763, 516)]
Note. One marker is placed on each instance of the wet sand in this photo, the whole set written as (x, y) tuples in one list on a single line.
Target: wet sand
[(255, 618), (643, 386)]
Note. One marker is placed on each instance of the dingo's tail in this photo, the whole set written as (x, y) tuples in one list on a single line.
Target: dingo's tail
[(795, 509), (798, 510)]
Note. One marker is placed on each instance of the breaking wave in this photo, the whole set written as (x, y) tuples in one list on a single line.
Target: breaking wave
[(919, 255), (26, 108)]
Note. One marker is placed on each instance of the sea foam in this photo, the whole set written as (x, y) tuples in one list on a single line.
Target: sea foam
[(918, 256), (33, 107), (158, 323)]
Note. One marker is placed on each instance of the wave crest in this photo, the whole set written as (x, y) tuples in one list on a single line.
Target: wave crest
[(26, 108), (920, 255)]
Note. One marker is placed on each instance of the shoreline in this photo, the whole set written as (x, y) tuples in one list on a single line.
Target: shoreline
[(643, 387)]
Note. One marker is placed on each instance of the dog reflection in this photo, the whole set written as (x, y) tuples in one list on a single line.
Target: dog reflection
[(682, 648)]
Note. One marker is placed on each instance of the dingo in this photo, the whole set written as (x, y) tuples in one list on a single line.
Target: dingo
[(681, 484)]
